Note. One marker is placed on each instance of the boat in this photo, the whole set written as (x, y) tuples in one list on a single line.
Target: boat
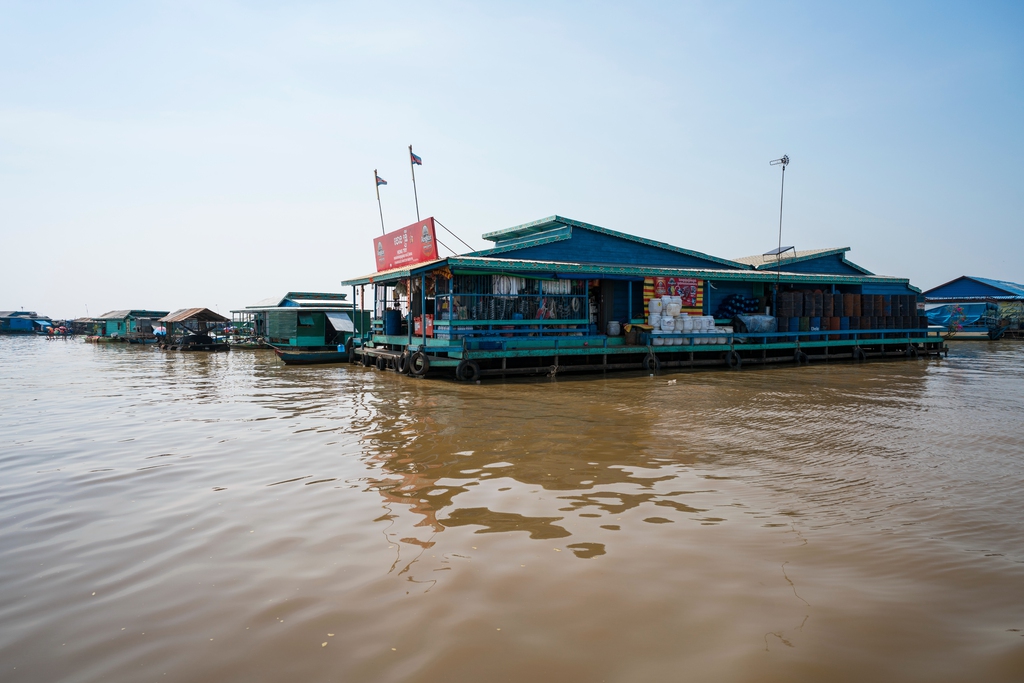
[(299, 357)]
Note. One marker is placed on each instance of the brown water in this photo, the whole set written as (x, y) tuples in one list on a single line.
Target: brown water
[(175, 517)]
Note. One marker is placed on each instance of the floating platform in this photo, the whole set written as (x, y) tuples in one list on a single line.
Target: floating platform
[(603, 353)]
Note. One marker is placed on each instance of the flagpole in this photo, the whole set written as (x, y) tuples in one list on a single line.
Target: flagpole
[(412, 167), (379, 207)]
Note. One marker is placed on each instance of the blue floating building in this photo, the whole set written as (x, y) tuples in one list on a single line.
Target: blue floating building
[(982, 308), (302, 319), (559, 295), (23, 322)]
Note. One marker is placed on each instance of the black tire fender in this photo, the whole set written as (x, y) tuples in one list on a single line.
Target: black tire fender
[(403, 363), (419, 364), (350, 350), (859, 354), (467, 371), (381, 363), (911, 352), (733, 360), (800, 358), (651, 363)]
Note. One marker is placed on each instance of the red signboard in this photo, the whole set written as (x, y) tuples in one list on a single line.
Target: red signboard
[(685, 288), (412, 244)]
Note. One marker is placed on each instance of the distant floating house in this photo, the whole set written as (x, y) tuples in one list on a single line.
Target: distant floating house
[(192, 329), (129, 323), (984, 307), (302, 319), (23, 322)]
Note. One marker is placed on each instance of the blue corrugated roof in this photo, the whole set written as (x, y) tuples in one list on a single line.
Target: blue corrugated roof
[(544, 225), (1012, 288), (971, 287)]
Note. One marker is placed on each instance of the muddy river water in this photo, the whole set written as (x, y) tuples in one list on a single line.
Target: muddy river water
[(176, 517)]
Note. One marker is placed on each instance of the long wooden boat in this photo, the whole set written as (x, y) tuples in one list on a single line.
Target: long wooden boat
[(311, 357)]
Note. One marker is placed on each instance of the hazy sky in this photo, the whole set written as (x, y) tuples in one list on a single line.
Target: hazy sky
[(165, 155)]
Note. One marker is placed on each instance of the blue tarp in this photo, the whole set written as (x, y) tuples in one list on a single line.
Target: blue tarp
[(973, 314)]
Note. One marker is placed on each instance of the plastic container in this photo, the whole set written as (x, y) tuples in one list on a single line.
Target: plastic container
[(658, 341), (815, 327), (654, 320), (668, 323), (392, 322), (655, 306), (614, 329)]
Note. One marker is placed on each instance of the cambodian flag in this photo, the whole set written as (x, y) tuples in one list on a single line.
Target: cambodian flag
[(415, 159), (381, 181)]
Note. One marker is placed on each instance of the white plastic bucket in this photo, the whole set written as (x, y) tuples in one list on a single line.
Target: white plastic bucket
[(654, 320), (668, 323), (658, 341), (614, 329), (655, 306)]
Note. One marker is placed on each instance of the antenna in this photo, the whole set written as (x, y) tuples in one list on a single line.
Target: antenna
[(784, 162)]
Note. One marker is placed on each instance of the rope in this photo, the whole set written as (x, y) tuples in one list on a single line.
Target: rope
[(453, 235)]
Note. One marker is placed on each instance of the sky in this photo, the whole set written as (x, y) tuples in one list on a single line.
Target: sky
[(165, 155)]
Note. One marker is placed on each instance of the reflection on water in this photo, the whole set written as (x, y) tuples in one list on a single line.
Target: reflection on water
[(224, 517)]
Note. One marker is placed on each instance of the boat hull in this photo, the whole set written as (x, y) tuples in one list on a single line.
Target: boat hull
[(311, 357)]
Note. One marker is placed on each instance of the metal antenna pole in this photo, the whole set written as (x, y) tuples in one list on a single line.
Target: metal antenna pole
[(784, 162), (379, 207), (412, 167)]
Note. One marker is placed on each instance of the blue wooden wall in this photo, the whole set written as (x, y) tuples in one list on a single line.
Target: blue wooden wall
[(586, 246), (620, 300)]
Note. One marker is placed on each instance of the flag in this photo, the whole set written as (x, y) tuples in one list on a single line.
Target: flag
[(381, 181), (415, 158)]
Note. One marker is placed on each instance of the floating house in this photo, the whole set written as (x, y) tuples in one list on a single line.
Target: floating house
[(303, 319), (193, 329), (981, 307), (23, 322), (129, 323), (560, 295)]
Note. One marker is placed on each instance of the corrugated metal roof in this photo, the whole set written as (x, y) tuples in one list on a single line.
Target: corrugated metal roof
[(967, 287), (133, 312), (114, 315), (759, 260), (301, 299), (1011, 288), (551, 222), (393, 274), (197, 314), (498, 265)]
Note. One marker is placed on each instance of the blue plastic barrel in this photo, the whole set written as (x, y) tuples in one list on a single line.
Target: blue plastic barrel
[(844, 324), (393, 322), (887, 305), (815, 326), (794, 326)]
